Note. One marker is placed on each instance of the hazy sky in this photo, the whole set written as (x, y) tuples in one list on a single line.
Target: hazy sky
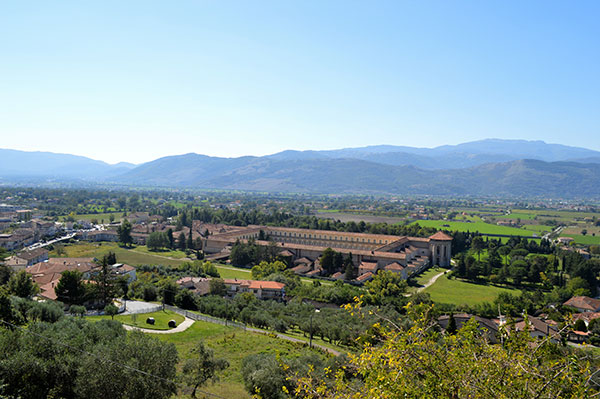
[(126, 80)]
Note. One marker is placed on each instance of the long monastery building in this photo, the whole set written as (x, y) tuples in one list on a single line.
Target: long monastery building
[(384, 250)]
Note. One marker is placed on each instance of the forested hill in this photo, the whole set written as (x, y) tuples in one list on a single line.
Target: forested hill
[(487, 167), (517, 178)]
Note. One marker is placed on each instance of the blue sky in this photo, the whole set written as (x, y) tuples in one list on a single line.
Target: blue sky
[(127, 80)]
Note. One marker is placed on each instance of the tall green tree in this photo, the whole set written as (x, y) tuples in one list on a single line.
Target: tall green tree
[(105, 282), (124, 232), (70, 288), (22, 285), (190, 241), (477, 244), (181, 244), (170, 239)]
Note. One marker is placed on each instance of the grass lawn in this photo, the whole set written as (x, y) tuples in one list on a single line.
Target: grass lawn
[(139, 320), (428, 274), (171, 254), (124, 255), (233, 344), (519, 215), (229, 272), (482, 227), (584, 239), (460, 292)]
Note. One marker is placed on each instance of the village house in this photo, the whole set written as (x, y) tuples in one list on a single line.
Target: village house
[(24, 259), (587, 317), (584, 304), (260, 289), (539, 328), (198, 285), (98, 235), (47, 274), (121, 269), (17, 239), (565, 240), (489, 327)]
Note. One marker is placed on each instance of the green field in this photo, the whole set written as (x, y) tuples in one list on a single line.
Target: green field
[(232, 344), (481, 227), (139, 320), (170, 254), (459, 292), (584, 239), (131, 256), (519, 215), (138, 256), (428, 274)]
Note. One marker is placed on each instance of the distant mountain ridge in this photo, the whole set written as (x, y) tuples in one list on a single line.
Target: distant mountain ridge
[(49, 164), (487, 167), (452, 156)]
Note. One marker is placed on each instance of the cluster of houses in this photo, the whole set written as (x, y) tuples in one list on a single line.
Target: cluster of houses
[(28, 233), (538, 327), (23, 229), (47, 273)]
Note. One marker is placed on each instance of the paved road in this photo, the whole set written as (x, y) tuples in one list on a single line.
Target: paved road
[(187, 323), (555, 231)]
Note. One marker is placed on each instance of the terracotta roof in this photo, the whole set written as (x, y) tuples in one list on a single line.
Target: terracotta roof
[(365, 277), (59, 265), (47, 290), (586, 316), (301, 268), (368, 265), (303, 261), (440, 236), (255, 284), (584, 302), (32, 254), (538, 324), (286, 253), (394, 266)]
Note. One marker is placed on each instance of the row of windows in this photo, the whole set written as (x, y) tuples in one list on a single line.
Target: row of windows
[(364, 247), (320, 236)]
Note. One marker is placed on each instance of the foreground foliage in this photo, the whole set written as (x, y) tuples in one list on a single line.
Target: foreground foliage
[(76, 359), (418, 361)]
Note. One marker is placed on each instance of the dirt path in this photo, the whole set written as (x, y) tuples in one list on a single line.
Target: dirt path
[(431, 281), (187, 323)]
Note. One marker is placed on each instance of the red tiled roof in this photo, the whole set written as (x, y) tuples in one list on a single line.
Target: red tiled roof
[(364, 277), (394, 266), (368, 265), (440, 236), (255, 284), (584, 302)]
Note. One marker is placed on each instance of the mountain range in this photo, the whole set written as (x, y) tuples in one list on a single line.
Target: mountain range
[(486, 167)]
